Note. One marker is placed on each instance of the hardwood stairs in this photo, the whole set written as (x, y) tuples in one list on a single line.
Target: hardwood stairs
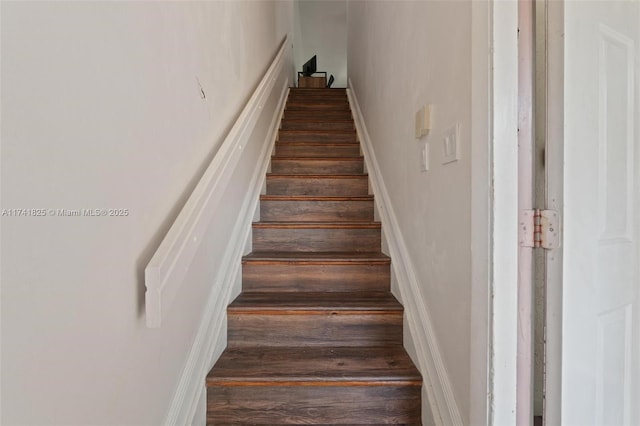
[(315, 337)]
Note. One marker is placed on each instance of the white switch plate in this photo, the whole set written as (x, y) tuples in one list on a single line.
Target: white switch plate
[(424, 158), (450, 144)]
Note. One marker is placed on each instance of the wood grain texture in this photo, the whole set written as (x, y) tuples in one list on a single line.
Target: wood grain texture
[(334, 185), (317, 102), (327, 90), (317, 165), (324, 115), (306, 237), (310, 124), (314, 405), (294, 96), (335, 136), (314, 277), (318, 107), (383, 302), (369, 366), (306, 208), (305, 93), (309, 95), (317, 149), (314, 328), (315, 337)]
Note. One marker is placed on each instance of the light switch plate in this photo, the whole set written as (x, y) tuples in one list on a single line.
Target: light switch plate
[(424, 158), (451, 145)]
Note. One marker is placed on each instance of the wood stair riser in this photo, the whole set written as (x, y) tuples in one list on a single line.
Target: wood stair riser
[(267, 239), (317, 100), (317, 166), (319, 103), (316, 210), (272, 405), (317, 136), (293, 94), (313, 91), (318, 108), (300, 276), (317, 94), (295, 124), (325, 186), (317, 115), (317, 150), (313, 329)]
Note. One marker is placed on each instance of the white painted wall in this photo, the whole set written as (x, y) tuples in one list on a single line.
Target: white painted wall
[(102, 108), (320, 28), (402, 55)]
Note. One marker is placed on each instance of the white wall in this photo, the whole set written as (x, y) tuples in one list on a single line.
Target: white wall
[(102, 108), (320, 28), (402, 55)]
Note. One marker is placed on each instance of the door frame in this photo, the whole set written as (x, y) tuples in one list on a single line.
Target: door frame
[(554, 160), (526, 145), (494, 221)]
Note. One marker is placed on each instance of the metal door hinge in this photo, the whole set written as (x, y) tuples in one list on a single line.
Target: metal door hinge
[(539, 228)]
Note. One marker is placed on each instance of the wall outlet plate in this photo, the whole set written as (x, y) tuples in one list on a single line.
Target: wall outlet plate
[(451, 144)]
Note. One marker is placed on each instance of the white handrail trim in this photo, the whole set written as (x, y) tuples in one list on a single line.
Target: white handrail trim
[(205, 349), (168, 267)]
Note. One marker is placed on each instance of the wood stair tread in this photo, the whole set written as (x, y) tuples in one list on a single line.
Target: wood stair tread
[(317, 176), (345, 302), (372, 366), (323, 143), (312, 99), (313, 96), (318, 225), (318, 89), (301, 158), (319, 94), (317, 257), (323, 116), (318, 104), (318, 143), (320, 119), (307, 131), (298, 93), (267, 197)]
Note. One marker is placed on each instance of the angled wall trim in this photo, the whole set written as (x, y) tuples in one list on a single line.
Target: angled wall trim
[(167, 268), (438, 386), (205, 349)]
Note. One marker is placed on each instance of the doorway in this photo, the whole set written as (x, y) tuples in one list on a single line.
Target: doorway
[(587, 292)]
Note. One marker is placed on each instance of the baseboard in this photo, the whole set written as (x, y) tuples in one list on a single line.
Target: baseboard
[(210, 339), (442, 401)]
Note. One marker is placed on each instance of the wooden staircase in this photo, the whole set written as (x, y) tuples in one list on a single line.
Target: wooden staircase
[(316, 335)]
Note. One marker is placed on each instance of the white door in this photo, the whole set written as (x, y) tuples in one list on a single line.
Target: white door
[(600, 280)]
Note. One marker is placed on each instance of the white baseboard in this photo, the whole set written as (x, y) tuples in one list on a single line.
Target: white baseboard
[(210, 339), (442, 401)]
